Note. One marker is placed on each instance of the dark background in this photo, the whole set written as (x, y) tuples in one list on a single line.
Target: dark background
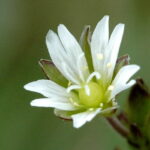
[(23, 26)]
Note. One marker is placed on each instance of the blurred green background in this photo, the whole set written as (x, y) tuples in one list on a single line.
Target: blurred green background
[(23, 26)]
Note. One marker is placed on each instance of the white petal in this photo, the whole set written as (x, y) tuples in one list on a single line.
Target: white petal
[(74, 52), (59, 56), (122, 77), (55, 103), (55, 49), (112, 50), (81, 118), (99, 41), (123, 87), (69, 42), (47, 88), (70, 74), (125, 73)]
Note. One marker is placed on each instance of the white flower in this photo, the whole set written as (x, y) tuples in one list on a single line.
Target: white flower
[(88, 93)]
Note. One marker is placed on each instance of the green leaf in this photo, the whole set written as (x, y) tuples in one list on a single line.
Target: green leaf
[(52, 72), (85, 44)]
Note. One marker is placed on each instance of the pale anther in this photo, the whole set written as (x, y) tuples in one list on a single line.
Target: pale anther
[(71, 100), (85, 68), (114, 103), (113, 100), (111, 87), (101, 105), (100, 56), (91, 109), (74, 103), (109, 65), (69, 83)]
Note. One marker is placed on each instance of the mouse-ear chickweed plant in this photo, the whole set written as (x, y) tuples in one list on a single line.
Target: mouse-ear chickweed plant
[(83, 78)]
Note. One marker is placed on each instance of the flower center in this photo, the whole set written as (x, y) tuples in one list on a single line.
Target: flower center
[(91, 95)]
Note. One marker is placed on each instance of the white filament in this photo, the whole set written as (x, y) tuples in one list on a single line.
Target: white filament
[(73, 87), (87, 90), (96, 74)]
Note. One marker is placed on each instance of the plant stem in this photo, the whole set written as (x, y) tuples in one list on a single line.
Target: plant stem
[(118, 126)]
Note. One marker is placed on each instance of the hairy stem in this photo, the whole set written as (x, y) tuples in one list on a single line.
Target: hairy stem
[(118, 126)]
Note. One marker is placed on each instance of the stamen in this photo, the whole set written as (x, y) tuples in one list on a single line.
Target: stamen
[(91, 109), (76, 104), (73, 102), (109, 65), (101, 105), (96, 74), (114, 103), (100, 56), (69, 83), (111, 87), (85, 68), (113, 100), (73, 87), (87, 90)]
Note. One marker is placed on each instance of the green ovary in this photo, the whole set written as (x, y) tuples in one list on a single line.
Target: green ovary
[(93, 96)]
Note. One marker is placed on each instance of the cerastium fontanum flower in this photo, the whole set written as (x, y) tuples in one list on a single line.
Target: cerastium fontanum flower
[(88, 78)]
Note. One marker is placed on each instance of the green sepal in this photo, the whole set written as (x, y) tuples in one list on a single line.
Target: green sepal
[(121, 61), (52, 72), (85, 45)]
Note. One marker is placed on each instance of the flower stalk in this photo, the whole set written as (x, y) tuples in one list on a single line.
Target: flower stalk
[(118, 126)]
